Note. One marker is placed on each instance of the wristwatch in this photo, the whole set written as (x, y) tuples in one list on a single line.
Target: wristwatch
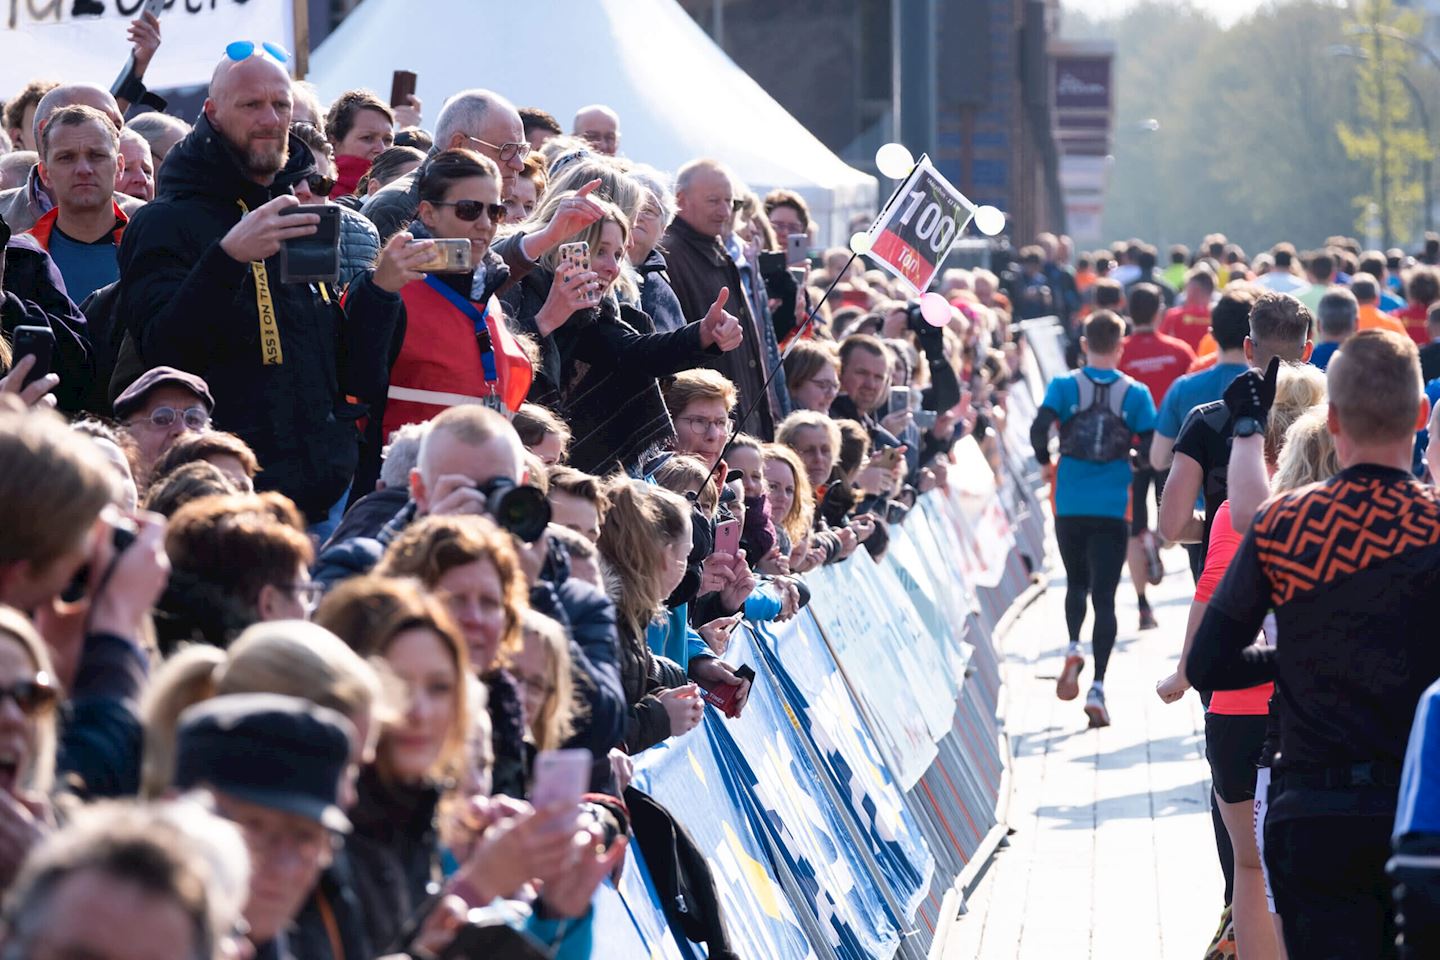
[(1247, 427)]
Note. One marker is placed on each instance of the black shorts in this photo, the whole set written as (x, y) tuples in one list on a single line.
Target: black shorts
[(1232, 745), (1140, 484)]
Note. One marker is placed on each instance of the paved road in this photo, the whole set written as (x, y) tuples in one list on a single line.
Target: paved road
[(1113, 854)]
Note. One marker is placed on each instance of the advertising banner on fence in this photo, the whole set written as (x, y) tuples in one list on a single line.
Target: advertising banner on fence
[(854, 627), (810, 833), (802, 668), (84, 40), (694, 778)]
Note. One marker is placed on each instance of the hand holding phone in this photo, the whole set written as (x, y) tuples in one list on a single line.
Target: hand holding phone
[(314, 258), (36, 342), (727, 537), (448, 256), (560, 778)]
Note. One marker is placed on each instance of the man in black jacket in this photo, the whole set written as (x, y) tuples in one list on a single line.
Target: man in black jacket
[(290, 367)]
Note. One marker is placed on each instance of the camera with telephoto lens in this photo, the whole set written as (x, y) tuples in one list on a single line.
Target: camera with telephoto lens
[(523, 511), (120, 538)]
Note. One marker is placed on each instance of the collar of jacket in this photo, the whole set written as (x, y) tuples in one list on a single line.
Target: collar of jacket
[(654, 263), (45, 226), (35, 189), (708, 245), (204, 164), (388, 808)]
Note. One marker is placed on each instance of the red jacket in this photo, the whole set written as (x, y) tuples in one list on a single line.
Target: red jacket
[(440, 364), (46, 225)]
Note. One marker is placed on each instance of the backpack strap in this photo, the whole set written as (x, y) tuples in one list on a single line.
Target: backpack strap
[(1086, 388), (1117, 397)]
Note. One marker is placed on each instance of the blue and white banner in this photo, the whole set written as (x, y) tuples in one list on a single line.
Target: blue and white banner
[(694, 776), (801, 667), (859, 631)]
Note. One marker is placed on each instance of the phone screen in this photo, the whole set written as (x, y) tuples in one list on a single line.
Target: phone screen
[(560, 777)]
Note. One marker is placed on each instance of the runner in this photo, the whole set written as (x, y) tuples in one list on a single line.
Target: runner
[(1157, 361), (1352, 570), (1099, 411)]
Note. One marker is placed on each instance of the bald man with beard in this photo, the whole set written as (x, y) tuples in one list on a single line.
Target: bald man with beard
[(290, 368)]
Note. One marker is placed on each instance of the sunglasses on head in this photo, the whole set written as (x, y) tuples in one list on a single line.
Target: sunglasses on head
[(470, 210), (32, 696), (245, 49)]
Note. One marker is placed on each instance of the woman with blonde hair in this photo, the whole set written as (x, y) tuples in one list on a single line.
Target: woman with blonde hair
[(27, 739), (471, 565), (394, 844), (599, 358), (645, 545), (542, 667)]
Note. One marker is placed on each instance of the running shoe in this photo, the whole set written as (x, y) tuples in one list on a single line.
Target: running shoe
[(1095, 708), (1154, 566), (1147, 616), (1223, 946), (1068, 686)]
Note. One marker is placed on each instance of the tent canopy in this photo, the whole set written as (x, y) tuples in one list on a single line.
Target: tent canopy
[(679, 96)]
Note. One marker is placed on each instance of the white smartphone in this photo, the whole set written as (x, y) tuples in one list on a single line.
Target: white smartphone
[(560, 777)]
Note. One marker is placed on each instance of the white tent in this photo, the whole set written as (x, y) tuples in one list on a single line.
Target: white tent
[(678, 95)]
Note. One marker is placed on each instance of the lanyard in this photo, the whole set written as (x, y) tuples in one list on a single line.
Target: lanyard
[(478, 318), (270, 352)]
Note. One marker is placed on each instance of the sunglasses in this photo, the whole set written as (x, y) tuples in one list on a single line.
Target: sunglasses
[(34, 696), (506, 151), (245, 49), (470, 210), (320, 186)]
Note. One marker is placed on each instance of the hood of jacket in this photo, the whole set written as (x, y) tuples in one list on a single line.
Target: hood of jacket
[(203, 164)]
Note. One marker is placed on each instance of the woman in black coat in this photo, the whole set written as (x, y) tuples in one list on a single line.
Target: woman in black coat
[(596, 369)]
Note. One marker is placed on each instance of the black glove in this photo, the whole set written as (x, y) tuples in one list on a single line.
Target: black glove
[(1252, 393)]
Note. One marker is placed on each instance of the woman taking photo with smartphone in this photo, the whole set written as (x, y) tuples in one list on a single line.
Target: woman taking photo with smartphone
[(457, 348), (596, 368)]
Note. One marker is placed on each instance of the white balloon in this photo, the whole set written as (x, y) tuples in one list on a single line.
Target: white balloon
[(860, 244), (895, 161), (989, 220)]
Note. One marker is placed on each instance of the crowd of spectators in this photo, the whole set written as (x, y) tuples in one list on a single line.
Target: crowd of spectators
[(304, 583)]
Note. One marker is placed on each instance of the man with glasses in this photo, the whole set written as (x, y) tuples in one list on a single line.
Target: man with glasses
[(699, 267), (599, 126), (291, 366), (490, 125), (274, 765), (161, 407)]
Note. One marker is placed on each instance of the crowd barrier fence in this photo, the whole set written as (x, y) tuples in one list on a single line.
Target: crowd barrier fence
[(864, 786)]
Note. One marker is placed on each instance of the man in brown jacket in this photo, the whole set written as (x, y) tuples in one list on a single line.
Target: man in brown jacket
[(699, 267)]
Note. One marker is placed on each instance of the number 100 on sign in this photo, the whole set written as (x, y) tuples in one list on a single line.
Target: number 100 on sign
[(916, 230)]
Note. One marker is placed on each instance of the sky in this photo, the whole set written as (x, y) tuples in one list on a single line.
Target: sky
[(1225, 12)]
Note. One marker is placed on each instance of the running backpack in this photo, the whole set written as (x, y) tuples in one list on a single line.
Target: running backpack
[(1098, 433)]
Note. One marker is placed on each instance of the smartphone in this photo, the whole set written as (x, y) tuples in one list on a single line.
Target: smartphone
[(771, 265), (316, 258), (888, 457), (122, 81), (727, 537), (402, 86), (576, 257), (899, 399), (796, 249), (925, 419), (561, 776), (449, 256), (38, 342)]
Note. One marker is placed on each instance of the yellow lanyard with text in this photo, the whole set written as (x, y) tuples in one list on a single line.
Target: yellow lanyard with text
[(270, 352)]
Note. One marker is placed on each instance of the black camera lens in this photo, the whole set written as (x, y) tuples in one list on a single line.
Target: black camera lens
[(523, 511), (120, 537)]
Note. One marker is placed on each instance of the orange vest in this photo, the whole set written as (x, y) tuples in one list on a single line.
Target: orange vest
[(46, 225), (440, 364)]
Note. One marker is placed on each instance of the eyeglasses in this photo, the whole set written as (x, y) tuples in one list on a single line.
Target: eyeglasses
[(163, 418), (829, 386), (320, 186), (505, 151), (35, 696), (470, 210), (308, 595), (245, 49), (704, 425)]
